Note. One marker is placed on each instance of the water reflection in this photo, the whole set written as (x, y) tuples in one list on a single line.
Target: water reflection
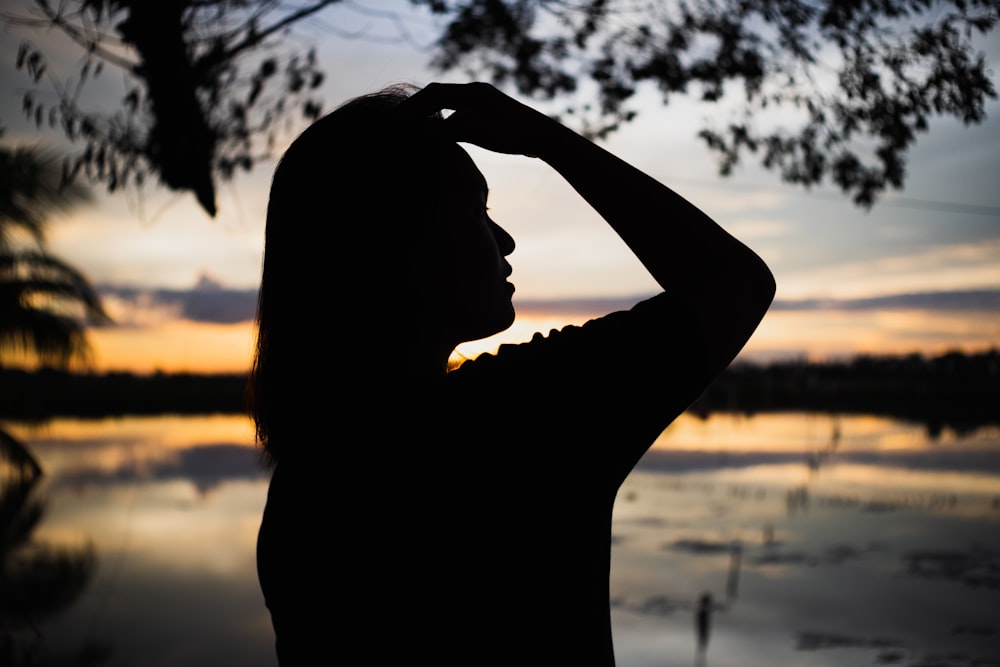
[(37, 579), (863, 542), (169, 507), (820, 540)]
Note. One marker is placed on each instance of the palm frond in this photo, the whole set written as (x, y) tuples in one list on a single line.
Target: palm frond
[(35, 277), (45, 304), (19, 458), (31, 190)]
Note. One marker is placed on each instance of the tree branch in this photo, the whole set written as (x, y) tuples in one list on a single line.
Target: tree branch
[(91, 44), (255, 38)]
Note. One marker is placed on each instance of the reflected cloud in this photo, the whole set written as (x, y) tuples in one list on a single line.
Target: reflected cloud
[(658, 605), (814, 641), (834, 554), (890, 651), (978, 566), (645, 522), (701, 547), (678, 461), (944, 460), (205, 466), (953, 460)]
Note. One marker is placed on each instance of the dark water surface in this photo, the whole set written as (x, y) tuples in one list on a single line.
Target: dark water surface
[(822, 540)]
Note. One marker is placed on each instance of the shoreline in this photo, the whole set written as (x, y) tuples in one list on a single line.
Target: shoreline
[(955, 390)]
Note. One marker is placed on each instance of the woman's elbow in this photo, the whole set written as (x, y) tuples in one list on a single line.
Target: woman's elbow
[(731, 323), (765, 287)]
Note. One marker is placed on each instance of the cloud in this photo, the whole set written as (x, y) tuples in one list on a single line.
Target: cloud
[(211, 302), (208, 302), (972, 300), (671, 461), (982, 300), (870, 267)]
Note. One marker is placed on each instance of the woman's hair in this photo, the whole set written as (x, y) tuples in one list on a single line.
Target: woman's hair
[(352, 209)]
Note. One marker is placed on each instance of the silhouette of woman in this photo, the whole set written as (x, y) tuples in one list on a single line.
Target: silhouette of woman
[(461, 516)]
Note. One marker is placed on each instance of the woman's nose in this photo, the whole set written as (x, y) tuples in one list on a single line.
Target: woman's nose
[(505, 242)]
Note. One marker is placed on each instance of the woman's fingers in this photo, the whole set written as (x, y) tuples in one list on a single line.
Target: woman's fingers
[(436, 97), (472, 128), (483, 116)]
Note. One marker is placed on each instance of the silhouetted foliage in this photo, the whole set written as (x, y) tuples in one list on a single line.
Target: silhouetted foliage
[(45, 303), (38, 296), (203, 86), (863, 78), (855, 82)]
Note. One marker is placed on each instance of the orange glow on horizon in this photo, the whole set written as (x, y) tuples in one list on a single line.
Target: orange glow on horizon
[(176, 346), (184, 346)]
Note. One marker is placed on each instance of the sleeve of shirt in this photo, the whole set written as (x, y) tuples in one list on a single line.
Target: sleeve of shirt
[(602, 391)]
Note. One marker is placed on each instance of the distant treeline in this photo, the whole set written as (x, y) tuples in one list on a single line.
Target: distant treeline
[(956, 390), (960, 391), (46, 393)]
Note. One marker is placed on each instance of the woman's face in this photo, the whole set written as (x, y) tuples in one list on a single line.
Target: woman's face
[(473, 269)]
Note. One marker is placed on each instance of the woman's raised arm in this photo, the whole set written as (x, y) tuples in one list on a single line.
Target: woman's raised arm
[(727, 286)]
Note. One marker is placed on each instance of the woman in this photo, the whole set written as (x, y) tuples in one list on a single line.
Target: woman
[(463, 516)]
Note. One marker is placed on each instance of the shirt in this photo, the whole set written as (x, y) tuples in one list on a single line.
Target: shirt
[(469, 522)]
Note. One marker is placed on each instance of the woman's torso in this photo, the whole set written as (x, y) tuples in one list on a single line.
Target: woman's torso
[(470, 521)]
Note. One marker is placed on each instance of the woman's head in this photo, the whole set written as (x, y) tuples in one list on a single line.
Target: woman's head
[(377, 243)]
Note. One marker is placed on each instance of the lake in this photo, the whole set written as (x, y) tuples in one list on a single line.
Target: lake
[(822, 540)]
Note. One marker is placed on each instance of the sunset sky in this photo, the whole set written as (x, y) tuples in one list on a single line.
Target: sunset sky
[(920, 272)]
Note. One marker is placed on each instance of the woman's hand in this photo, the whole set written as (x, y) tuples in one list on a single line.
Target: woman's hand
[(727, 287), (486, 117)]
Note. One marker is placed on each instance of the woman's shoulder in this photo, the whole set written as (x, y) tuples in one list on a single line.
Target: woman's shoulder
[(610, 385), (659, 323), (650, 354)]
